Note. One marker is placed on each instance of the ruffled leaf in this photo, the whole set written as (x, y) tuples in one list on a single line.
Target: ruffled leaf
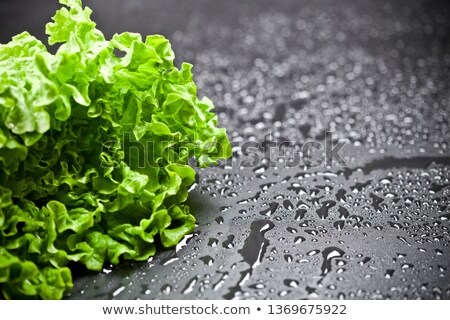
[(94, 151)]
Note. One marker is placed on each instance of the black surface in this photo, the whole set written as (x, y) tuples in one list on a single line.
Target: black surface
[(373, 73)]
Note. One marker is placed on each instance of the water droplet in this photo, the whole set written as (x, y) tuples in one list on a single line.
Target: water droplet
[(253, 251), (328, 254), (340, 195), (339, 225), (212, 242), (271, 210), (166, 289), (407, 266), (291, 283), (312, 232), (364, 261), (219, 220), (302, 205), (343, 213), (312, 252), (228, 244), (257, 286), (300, 214), (208, 260), (190, 285), (311, 291), (118, 291), (288, 205), (403, 239), (283, 293), (299, 239), (291, 230)]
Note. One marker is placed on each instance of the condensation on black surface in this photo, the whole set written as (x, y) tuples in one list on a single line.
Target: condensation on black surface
[(386, 239), (376, 75)]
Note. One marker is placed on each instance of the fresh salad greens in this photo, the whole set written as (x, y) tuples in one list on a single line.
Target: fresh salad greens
[(94, 149)]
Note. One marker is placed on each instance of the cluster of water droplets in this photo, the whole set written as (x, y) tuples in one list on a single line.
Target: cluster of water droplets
[(377, 228)]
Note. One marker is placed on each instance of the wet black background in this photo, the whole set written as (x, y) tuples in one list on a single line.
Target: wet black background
[(375, 74)]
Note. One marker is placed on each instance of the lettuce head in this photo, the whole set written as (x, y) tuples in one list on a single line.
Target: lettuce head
[(95, 143)]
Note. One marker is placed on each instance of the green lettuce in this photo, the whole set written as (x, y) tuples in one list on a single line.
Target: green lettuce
[(95, 143)]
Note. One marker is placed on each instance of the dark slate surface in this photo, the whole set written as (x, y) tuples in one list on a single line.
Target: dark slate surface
[(375, 74)]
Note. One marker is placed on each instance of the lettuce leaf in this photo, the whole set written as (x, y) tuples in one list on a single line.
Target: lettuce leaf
[(94, 148)]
